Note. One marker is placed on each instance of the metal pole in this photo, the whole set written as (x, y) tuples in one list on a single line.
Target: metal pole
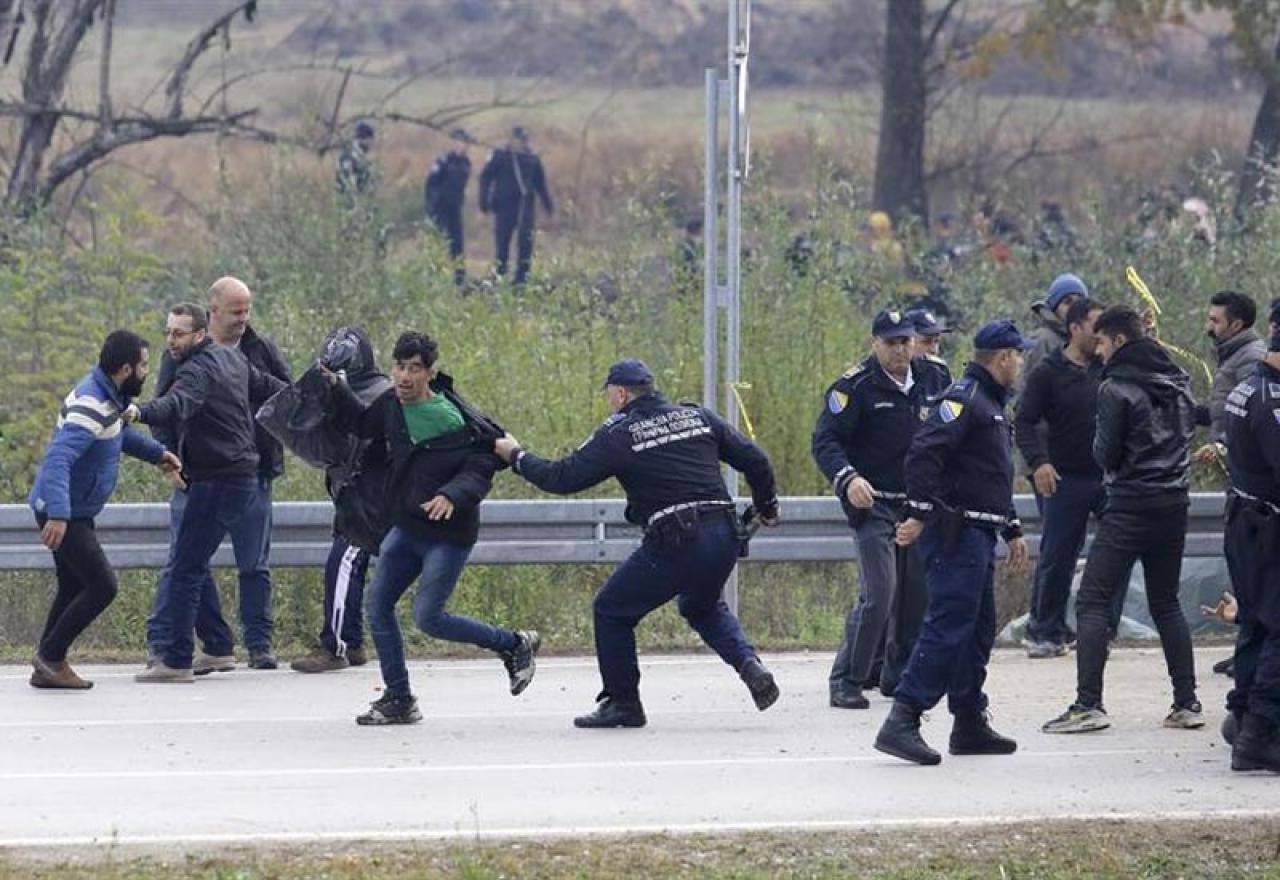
[(733, 266), (711, 244)]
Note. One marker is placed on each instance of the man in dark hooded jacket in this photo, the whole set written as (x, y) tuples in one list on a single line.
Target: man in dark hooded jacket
[(355, 483), (1146, 419)]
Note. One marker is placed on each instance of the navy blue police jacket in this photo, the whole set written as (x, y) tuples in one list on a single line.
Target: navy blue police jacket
[(866, 425), (962, 456), (663, 454), (1253, 434), (937, 366)]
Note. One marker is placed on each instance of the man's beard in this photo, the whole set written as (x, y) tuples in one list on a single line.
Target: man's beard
[(132, 386)]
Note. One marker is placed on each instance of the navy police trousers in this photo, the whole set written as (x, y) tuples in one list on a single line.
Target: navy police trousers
[(693, 569), (951, 654)]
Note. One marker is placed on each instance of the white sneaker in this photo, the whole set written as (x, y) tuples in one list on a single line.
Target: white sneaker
[(158, 673), (206, 663)]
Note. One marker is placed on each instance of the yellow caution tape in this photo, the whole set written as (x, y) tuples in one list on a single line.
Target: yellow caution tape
[(742, 407), (1148, 298)]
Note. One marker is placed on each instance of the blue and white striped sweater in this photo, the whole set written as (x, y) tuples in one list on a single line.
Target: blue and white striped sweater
[(82, 461)]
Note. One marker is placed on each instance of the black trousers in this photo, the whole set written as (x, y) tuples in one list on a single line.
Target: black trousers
[(86, 587), (1253, 557), (448, 220), (1156, 536), (518, 220)]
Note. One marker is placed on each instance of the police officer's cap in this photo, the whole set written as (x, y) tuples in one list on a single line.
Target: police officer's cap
[(927, 323), (893, 324), (999, 335), (520, 133), (629, 373), (364, 130), (461, 134)]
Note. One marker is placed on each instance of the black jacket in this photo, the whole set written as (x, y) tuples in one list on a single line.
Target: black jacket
[(206, 409), (1253, 434), (962, 456), (446, 185), (940, 370), (663, 454), (1064, 395), (261, 351), (264, 356), (459, 465), (866, 426), (1146, 419), (510, 180)]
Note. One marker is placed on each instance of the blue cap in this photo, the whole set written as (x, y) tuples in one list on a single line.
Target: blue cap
[(926, 322), (998, 335), (364, 130), (893, 324), (520, 133), (629, 372), (1063, 286)]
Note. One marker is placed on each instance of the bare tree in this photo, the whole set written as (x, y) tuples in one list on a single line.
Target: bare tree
[(44, 158)]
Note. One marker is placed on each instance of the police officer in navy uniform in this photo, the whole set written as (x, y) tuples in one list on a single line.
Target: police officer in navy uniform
[(444, 194), (959, 497), (860, 443), (928, 343), (667, 458), (511, 184), (1253, 558)]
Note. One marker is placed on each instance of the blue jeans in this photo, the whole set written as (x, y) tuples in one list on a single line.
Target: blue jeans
[(1066, 521), (251, 542), (213, 508), (693, 570), (959, 629), (438, 565)]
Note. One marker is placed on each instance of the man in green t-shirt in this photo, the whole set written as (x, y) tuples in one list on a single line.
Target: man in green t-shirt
[(441, 464)]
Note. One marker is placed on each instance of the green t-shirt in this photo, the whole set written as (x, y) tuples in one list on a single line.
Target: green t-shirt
[(429, 419)]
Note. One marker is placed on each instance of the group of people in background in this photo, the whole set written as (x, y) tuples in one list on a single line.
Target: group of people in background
[(512, 184), (923, 466)]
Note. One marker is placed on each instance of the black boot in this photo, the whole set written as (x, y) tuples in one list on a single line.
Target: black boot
[(971, 734), (613, 713), (848, 696), (1257, 745), (1230, 727), (900, 736), (764, 690)]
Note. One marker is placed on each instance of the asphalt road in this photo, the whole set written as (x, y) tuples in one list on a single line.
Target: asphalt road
[(249, 757)]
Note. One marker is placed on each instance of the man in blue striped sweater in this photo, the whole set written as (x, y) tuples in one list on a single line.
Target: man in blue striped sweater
[(76, 477)]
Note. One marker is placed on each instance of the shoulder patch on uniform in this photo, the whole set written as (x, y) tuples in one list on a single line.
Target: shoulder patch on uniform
[(854, 371), (837, 400), (933, 358), (950, 410), (613, 420), (1276, 413), (1273, 389)]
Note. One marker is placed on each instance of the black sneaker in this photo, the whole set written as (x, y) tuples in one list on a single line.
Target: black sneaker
[(391, 710), (262, 658), (521, 660)]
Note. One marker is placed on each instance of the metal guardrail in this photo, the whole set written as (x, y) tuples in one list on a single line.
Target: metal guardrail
[(813, 529)]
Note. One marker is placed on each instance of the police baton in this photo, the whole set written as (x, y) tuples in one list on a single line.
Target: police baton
[(748, 525)]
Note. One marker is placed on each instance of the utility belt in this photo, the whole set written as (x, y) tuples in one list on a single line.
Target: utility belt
[(1240, 499), (952, 519), (676, 524)]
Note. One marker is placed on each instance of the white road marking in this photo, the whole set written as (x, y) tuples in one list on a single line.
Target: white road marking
[(692, 828), (536, 767)]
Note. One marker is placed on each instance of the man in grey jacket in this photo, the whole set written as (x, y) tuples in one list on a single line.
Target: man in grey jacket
[(1238, 349)]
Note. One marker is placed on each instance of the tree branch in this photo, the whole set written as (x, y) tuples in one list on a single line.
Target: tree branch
[(938, 25), (104, 65), (176, 87)]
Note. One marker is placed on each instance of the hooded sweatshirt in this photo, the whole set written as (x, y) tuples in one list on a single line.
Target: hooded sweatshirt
[(1146, 419)]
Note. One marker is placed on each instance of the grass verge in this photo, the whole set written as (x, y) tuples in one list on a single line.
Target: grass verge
[(1056, 851)]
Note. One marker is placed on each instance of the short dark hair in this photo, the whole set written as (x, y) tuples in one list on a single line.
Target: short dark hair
[(121, 348), (412, 343), (1080, 310), (639, 390), (1120, 321), (199, 317), (1238, 306)]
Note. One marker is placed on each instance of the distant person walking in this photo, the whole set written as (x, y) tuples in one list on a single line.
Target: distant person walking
[(444, 194), (510, 184)]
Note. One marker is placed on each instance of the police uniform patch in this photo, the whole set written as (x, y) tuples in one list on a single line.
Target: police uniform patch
[(853, 371), (924, 413), (836, 401), (949, 410), (1276, 413)]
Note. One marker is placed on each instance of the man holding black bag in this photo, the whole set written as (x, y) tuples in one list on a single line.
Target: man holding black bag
[(667, 458)]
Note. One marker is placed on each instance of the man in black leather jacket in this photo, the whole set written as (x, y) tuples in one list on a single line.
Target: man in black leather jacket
[(1146, 419)]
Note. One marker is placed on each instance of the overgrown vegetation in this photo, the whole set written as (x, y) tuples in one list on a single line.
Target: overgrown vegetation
[(534, 357)]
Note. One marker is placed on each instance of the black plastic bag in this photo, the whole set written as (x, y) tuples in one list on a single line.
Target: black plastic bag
[(299, 417)]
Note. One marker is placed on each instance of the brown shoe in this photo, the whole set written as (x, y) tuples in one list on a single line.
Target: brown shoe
[(357, 656), (56, 676), (319, 660)]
